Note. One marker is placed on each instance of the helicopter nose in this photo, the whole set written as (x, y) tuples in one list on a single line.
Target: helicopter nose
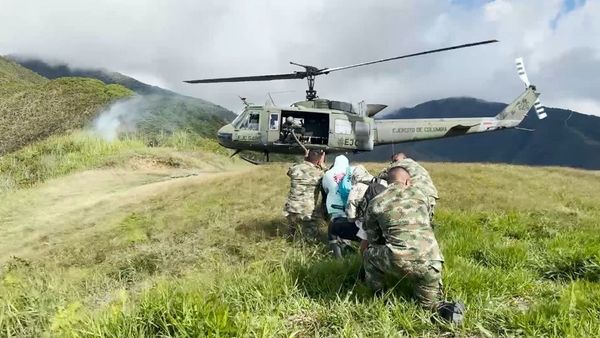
[(224, 135)]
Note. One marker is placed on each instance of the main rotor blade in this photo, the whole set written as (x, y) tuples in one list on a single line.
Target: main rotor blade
[(296, 75), (329, 70)]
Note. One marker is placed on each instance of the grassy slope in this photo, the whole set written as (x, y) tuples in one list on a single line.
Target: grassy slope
[(12, 72), (115, 252), (61, 155), (160, 111), (33, 108), (168, 113)]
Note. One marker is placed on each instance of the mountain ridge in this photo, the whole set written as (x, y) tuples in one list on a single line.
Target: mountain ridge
[(52, 71), (152, 113), (33, 107)]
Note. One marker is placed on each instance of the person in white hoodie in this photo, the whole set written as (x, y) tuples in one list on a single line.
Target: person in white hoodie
[(350, 227), (333, 201)]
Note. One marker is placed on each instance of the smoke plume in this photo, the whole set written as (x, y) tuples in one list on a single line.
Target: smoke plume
[(122, 116)]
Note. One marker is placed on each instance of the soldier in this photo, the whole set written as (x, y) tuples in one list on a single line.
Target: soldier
[(401, 240), (420, 177), (362, 182), (300, 207)]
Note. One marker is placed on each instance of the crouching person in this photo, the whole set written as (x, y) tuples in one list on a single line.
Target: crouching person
[(351, 226), (300, 207), (401, 241)]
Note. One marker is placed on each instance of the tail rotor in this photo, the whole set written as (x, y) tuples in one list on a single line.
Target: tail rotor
[(539, 109)]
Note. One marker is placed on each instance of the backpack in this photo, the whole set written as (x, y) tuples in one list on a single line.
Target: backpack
[(345, 186), (375, 188)]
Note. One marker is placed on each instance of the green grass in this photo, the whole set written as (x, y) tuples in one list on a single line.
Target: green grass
[(58, 156), (32, 113), (204, 257), (61, 155), (12, 72)]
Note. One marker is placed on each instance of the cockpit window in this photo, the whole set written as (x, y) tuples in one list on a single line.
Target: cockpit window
[(236, 123), (253, 121), (247, 120)]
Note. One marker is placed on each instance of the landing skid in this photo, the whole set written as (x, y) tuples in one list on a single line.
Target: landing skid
[(250, 160)]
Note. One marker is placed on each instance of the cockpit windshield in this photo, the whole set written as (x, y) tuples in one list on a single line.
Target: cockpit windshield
[(247, 120), (236, 122)]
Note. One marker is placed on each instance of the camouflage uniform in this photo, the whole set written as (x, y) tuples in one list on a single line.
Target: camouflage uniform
[(402, 243), (299, 208), (419, 178)]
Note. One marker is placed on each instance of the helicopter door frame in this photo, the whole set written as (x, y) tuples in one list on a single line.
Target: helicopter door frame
[(273, 127)]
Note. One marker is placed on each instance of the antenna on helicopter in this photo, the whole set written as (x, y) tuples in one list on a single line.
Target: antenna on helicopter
[(269, 94), (244, 100), (310, 72), (271, 98)]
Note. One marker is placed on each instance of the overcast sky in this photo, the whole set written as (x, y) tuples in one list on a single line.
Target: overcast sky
[(163, 42)]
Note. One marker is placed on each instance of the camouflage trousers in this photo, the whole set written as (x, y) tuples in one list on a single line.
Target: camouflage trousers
[(300, 227), (425, 276)]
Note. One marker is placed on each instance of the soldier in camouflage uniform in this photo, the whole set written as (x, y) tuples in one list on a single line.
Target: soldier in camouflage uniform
[(401, 240), (300, 207), (419, 176)]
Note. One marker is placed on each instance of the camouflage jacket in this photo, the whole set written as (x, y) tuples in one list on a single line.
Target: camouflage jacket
[(419, 176), (354, 200), (399, 218), (304, 189)]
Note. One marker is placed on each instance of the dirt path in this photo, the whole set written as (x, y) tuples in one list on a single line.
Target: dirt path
[(30, 219)]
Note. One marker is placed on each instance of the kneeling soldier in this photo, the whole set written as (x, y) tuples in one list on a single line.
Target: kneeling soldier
[(401, 240)]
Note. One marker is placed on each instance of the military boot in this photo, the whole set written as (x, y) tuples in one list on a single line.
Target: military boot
[(335, 248), (452, 312)]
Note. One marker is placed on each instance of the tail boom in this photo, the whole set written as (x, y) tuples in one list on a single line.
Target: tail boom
[(408, 130)]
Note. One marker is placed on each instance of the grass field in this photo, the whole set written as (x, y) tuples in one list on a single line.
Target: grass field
[(30, 113), (131, 241)]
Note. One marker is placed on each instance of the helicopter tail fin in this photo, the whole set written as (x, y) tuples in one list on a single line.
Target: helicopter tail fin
[(515, 112), (539, 109), (518, 109)]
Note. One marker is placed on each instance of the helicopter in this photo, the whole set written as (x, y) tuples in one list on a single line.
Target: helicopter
[(335, 126)]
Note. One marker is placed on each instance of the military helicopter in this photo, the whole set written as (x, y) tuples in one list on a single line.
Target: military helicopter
[(335, 126)]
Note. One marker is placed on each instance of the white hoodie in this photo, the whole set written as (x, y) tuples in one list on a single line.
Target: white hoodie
[(331, 180)]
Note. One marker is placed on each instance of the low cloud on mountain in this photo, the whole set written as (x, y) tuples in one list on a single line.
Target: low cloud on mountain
[(163, 43)]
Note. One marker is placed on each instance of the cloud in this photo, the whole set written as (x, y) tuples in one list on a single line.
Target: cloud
[(167, 42)]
